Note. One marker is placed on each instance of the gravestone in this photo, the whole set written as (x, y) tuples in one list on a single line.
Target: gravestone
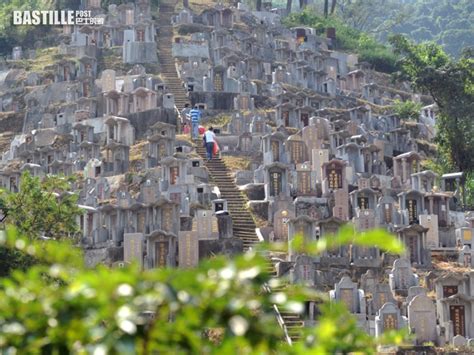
[(341, 205), (459, 341), (318, 158), (207, 226), (108, 80), (388, 318), (346, 291), (188, 244), (382, 294), (432, 235), (133, 248), (304, 271), (422, 319), (368, 281), (401, 277), (280, 224)]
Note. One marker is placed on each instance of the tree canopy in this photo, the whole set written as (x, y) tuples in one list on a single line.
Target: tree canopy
[(451, 84)]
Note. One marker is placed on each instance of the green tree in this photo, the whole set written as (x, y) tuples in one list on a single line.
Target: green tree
[(40, 208), (451, 84), (58, 306), (407, 109), (43, 207)]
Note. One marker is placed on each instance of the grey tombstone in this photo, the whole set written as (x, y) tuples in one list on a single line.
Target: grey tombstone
[(347, 292), (304, 271), (422, 319), (401, 277), (108, 80), (133, 248), (459, 341), (368, 281), (382, 294), (280, 224), (207, 226), (188, 245), (388, 318)]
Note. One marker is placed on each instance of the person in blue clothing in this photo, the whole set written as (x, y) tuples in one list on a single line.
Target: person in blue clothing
[(195, 114)]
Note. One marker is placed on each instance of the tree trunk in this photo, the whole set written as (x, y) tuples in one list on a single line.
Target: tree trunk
[(258, 5), (333, 6), (289, 3), (326, 8)]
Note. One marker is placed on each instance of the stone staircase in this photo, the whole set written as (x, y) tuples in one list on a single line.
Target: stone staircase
[(244, 228), (243, 223), (291, 322), (165, 56)]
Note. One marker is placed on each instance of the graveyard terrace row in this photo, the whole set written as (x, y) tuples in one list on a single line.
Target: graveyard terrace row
[(165, 56), (243, 223)]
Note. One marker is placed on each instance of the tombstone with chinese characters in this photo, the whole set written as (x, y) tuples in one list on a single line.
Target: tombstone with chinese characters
[(454, 305), (174, 171), (404, 165), (346, 291), (133, 247), (280, 224), (363, 199), (296, 149), (422, 318), (149, 192), (334, 176), (207, 225), (273, 148), (411, 205), (305, 180), (311, 138), (386, 211), (340, 199), (401, 277), (301, 227), (245, 142), (381, 295), (304, 270), (339, 256), (161, 137), (365, 256), (244, 102), (160, 249), (188, 249), (276, 181), (258, 125), (389, 318), (414, 237)]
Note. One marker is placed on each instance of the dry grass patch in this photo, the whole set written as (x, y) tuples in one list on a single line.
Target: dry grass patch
[(236, 163)]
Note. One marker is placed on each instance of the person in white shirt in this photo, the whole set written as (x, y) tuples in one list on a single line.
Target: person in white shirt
[(210, 139)]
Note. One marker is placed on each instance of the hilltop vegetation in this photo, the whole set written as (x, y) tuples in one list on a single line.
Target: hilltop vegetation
[(449, 23), (348, 39)]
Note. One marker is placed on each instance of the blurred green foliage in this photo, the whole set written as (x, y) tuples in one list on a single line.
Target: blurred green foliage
[(57, 306)]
